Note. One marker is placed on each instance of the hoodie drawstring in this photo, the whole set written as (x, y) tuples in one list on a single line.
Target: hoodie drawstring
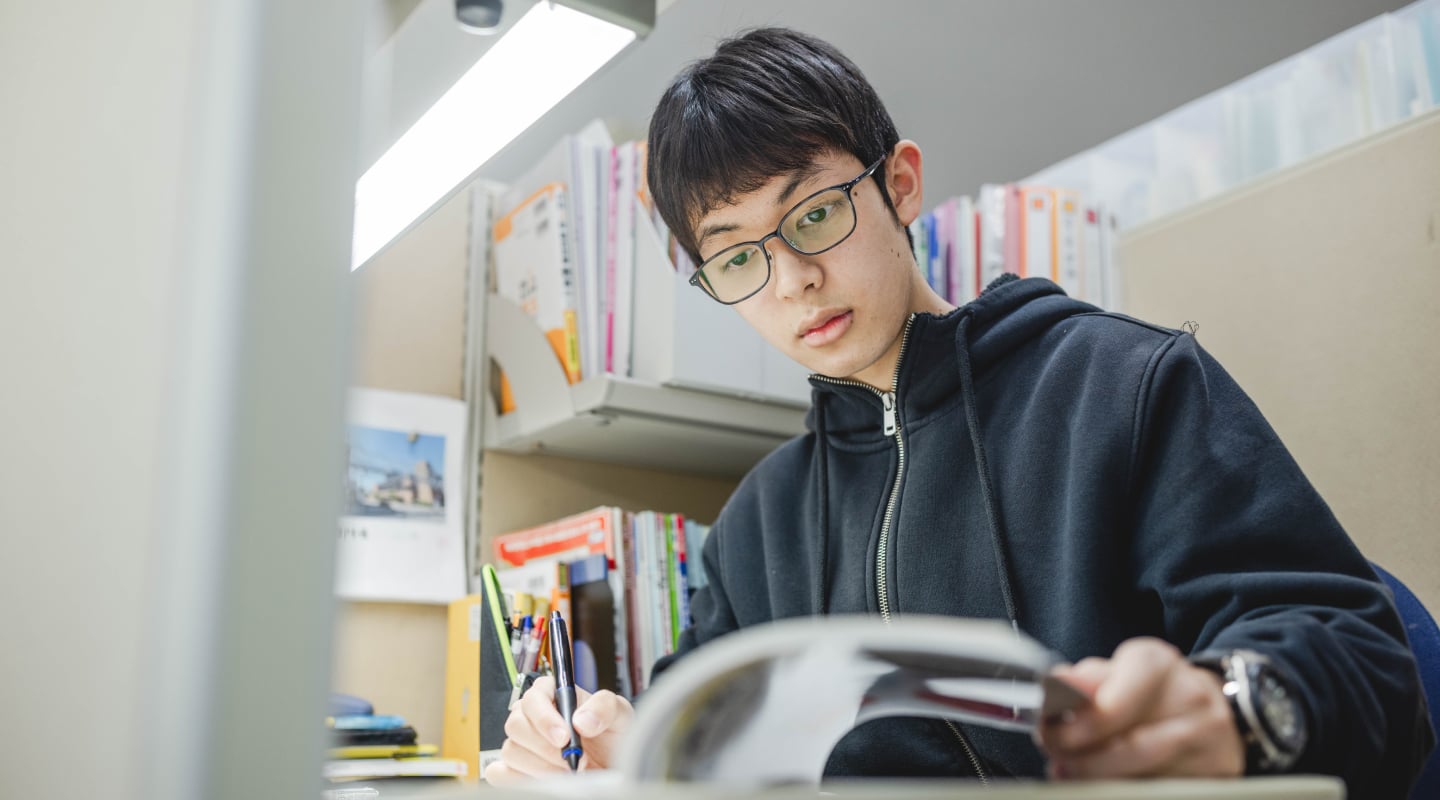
[(982, 465)]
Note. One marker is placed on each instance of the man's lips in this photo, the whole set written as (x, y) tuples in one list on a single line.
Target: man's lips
[(818, 321), (828, 330)]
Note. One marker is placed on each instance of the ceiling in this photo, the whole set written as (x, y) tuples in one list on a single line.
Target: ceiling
[(991, 89)]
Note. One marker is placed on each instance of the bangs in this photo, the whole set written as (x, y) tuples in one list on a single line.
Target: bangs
[(767, 104)]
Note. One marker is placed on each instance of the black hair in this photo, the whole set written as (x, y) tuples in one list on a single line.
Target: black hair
[(767, 103)]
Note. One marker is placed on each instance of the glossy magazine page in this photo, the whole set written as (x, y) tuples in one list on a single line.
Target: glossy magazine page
[(766, 705)]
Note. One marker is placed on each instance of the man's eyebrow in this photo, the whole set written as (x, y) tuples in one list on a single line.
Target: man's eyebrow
[(792, 182), (715, 229), (797, 178)]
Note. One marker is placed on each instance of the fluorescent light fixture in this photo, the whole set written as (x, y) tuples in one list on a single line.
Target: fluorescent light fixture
[(541, 59)]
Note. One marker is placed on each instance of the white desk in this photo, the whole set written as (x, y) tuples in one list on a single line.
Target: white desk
[(1303, 787)]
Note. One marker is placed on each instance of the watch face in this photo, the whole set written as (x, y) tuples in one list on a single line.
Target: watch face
[(1281, 712)]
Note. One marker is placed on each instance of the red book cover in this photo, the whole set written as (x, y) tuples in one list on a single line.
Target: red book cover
[(580, 535)]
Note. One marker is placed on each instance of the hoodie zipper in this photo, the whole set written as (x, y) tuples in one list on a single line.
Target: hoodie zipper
[(891, 427)]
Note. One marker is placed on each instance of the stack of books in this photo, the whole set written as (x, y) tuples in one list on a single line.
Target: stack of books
[(1031, 231), (622, 579), (565, 240), (365, 746)]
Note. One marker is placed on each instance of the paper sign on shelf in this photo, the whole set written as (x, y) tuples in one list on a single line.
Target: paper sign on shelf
[(402, 525)]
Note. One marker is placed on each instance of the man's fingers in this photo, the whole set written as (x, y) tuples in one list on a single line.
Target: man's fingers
[(1142, 751), (1183, 746), (604, 712), (524, 760), (602, 721), (538, 706), (500, 774), (1086, 674), (1139, 672)]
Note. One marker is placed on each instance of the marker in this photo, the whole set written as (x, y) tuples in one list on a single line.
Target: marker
[(564, 686), (517, 640), (530, 659)]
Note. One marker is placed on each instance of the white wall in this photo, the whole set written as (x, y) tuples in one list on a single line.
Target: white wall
[(175, 199)]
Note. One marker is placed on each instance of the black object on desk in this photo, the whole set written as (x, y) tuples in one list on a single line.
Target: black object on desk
[(564, 667)]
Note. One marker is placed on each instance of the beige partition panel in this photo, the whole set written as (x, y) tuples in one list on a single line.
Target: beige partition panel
[(1318, 290)]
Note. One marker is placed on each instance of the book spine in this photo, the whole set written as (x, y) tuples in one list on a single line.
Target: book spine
[(637, 598), (570, 290), (1110, 272), (1067, 242), (1014, 237), (619, 591), (582, 218), (672, 578), (1090, 261), (660, 576), (1037, 223), (967, 261), (938, 277), (627, 219), (612, 227), (682, 578)]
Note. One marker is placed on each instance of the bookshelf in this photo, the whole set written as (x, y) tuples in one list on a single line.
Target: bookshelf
[(705, 394), (623, 420)]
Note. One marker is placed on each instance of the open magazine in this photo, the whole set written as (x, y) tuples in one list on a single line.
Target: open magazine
[(766, 705)]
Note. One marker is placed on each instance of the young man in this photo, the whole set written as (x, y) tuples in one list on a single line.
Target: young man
[(1100, 482)]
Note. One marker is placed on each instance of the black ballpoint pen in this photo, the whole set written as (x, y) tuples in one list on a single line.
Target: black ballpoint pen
[(564, 668)]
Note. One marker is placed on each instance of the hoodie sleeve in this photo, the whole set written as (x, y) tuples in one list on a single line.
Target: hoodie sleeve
[(1242, 552), (710, 607)]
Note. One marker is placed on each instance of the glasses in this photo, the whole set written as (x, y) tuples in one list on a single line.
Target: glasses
[(816, 224)]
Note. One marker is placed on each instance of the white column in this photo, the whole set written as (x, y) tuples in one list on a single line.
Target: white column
[(176, 183)]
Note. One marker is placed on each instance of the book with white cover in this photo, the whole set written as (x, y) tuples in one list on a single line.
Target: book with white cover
[(967, 253), (1067, 243), (587, 208), (1092, 264), (534, 269), (1037, 233), (991, 204), (621, 311)]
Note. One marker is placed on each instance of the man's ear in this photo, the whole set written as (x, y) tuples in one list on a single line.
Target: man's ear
[(904, 179)]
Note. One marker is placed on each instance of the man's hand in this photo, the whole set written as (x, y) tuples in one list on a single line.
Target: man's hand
[(535, 732), (1152, 714)]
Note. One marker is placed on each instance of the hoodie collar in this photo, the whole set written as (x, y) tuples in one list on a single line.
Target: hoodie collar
[(1008, 314)]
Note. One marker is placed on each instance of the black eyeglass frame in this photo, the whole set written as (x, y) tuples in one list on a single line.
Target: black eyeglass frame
[(698, 281)]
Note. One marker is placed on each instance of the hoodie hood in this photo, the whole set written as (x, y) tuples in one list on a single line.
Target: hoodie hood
[(1008, 314)]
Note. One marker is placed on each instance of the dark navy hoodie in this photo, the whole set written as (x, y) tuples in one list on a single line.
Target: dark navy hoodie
[(1091, 478)]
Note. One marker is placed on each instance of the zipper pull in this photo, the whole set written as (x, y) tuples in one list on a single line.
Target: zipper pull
[(888, 398)]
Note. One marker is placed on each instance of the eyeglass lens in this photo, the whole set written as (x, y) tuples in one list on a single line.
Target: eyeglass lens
[(816, 225)]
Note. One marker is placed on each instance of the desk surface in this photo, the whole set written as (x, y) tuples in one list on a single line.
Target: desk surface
[(1298, 787)]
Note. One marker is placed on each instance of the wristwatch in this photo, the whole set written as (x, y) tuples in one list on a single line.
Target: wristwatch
[(1267, 711)]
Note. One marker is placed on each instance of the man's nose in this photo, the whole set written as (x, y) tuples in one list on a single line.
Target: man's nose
[(793, 273)]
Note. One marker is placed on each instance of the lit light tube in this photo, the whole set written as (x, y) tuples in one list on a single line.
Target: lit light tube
[(541, 59)]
